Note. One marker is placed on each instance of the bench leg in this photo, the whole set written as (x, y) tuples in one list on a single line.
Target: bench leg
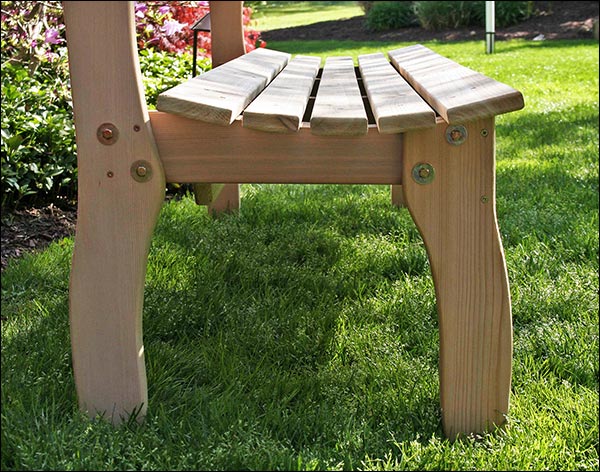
[(121, 188), (455, 213), (397, 196), (220, 198)]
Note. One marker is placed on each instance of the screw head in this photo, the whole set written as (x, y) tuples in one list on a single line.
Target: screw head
[(456, 134), (484, 132), (136, 128), (107, 133), (423, 173), (141, 171)]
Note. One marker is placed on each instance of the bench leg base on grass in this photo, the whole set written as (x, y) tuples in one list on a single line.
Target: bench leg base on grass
[(121, 189), (453, 204)]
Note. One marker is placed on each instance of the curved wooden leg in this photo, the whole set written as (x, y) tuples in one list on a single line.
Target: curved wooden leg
[(456, 216), (121, 190)]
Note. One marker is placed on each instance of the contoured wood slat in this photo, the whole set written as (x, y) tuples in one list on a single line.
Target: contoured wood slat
[(280, 107), (220, 95), (339, 108), (395, 104), (456, 92)]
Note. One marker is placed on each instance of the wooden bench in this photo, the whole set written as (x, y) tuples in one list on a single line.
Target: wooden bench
[(409, 118)]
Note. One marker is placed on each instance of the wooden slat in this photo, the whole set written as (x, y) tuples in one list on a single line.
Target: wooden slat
[(456, 92), (339, 109), (395, 104), (280, 107), (221, 94), (242, 155)]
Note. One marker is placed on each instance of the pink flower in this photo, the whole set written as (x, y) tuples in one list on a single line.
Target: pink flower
[(172, 27), (52, 36), (164, 9), (140, 10)]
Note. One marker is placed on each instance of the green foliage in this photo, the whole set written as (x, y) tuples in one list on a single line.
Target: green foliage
[(512, 13), (437, 15), (390, 15), (39, 163), (38, 137)]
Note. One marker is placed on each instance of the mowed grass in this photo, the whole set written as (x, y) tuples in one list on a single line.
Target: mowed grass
[(276, 15), (302, 333)]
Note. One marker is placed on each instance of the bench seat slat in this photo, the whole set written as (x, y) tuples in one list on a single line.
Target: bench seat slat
[(396, 106), (220, 95), (280, 107), (456, 92), (339, 109)]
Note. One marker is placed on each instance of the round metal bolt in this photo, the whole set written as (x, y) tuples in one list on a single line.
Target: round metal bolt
[(136, 128), (456, 134), (141, 171), (110, 174), (484, 199), (484, 132), (423, 173), (107, 133)]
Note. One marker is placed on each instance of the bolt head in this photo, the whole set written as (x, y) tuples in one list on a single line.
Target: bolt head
[(423, 173), (141, 171), (107, 133), (456, 134)]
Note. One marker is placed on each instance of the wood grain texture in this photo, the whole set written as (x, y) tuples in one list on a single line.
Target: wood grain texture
[(339, 108), (396, 106), (238, 154), (116, 215), (219, 95), (456, 92), (456, 215), (280, 107), (227, 43)]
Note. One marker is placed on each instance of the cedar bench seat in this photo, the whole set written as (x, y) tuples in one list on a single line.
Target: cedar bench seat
[(412, 119), (271, 92)]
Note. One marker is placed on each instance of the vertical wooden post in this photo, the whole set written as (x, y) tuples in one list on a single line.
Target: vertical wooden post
[(227, 43), (453, 204), (121, 190)]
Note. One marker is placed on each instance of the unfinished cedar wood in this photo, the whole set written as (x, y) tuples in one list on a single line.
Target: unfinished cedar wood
[(281, 106), (396, 106), (455, 212)]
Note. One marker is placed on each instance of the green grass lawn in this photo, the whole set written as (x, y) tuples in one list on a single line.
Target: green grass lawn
[(275, 15), (302, 333)]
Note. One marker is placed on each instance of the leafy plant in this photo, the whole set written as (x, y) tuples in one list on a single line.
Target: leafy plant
[(38, 151), (437, 15), (390, 15), (512, 13), (38, 138), (166, 26), (441, 15)]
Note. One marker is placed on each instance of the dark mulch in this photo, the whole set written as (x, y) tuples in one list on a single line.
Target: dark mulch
[(31, 229)]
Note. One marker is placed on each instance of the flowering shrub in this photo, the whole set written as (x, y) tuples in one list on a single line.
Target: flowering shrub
[(38, 149), (166, 26), (32, 33)]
